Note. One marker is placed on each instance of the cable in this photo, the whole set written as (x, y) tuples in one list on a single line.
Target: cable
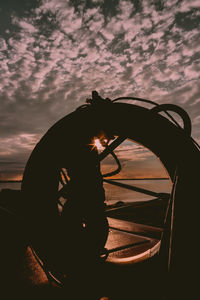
[(156, 105), (181, 112), (166, 237), (51, 278), (115, 171), (164, 107), (109, 149), (135, 98)]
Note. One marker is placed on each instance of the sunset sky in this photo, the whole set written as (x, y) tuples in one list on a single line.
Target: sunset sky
[(53, 53)]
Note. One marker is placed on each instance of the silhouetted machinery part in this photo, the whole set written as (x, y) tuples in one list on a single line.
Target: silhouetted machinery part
[(74, 239)]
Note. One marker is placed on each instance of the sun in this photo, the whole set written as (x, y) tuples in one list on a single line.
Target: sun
[(98, 145), (99, 142)]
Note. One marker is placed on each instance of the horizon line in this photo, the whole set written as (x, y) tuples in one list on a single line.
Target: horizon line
[(145, 178), (4, 181)]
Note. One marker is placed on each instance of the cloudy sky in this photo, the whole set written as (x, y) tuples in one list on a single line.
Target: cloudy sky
[(53, 53)]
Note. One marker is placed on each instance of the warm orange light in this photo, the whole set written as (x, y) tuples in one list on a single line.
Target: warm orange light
[(98, 145)]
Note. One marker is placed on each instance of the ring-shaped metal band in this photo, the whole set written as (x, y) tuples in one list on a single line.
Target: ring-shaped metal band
[(62, 143)]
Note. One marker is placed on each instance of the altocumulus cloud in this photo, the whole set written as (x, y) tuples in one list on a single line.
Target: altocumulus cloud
[(54, 53)]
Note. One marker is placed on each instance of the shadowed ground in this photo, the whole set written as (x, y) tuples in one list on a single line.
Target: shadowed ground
[(21, 274)]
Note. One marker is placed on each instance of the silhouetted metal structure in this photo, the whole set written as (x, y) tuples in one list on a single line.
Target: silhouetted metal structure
[(70, 242)]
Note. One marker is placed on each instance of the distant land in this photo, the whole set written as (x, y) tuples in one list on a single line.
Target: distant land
[(7, 181), (162, 178)]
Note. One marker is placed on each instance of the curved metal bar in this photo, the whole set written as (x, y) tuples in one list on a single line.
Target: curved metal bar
[(118, 168), (181, 112), (137, 99)]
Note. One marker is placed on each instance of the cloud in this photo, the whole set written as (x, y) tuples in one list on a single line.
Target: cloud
[(136, 162), (133, 152), (55, 54), (14, 152), (11, 146)]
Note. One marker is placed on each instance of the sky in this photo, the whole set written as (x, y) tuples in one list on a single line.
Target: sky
[(53, 53)]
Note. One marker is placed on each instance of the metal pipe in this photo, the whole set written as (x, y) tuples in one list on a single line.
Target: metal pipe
[(137, 189), (111, 147)]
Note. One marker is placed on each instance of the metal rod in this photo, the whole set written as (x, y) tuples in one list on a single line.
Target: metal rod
[(137, 189), (172, 221), (128, 246), (111, 147), (102, 155)]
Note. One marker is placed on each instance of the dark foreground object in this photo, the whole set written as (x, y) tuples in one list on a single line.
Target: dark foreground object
[(145, 280), (21, 274)]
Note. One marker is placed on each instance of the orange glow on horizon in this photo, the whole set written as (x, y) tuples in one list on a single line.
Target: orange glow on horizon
[(17, 177)]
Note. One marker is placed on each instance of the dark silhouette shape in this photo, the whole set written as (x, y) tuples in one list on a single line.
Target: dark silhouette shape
[(70, 243)]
